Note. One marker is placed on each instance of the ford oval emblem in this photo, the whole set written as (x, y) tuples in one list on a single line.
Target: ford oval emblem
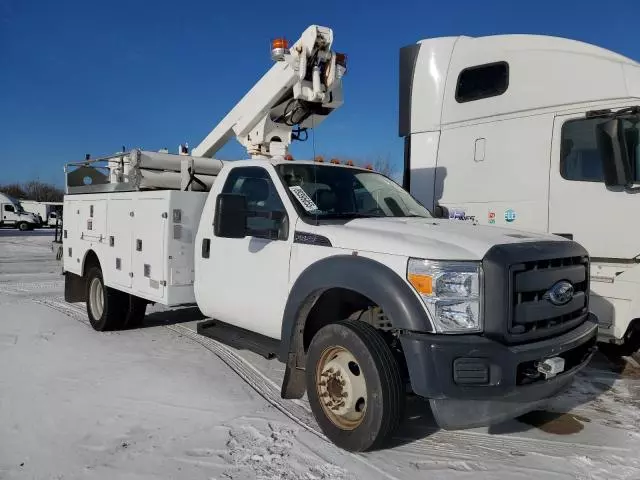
[(560, 294)]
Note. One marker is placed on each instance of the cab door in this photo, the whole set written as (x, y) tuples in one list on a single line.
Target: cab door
[(581, 207), (245, 281), (9, 214)]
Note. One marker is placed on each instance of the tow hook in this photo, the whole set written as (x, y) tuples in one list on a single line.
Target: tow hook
[(550, 367)]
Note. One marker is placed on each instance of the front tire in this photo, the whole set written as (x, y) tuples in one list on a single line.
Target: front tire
[(23, 226), (354, 385), (106, 307)]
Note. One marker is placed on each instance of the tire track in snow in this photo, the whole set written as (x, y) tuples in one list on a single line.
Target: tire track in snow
[(265, 387), (455, 446)]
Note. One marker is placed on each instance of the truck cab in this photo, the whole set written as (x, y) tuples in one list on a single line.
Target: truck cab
[(537, 133), (13, 215), (53, 219)]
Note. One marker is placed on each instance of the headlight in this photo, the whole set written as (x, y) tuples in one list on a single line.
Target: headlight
[(451, 291)]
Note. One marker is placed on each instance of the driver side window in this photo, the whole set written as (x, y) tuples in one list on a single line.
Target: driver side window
[(580, 156), (9, 208), (262, 197)]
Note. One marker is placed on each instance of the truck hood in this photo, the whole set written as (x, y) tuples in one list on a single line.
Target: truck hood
[(29, 217), (424, 237)]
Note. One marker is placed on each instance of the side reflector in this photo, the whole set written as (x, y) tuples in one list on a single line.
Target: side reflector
[(422, 283)]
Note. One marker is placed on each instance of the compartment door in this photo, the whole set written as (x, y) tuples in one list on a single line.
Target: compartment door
[(149, 246), (119, 241)]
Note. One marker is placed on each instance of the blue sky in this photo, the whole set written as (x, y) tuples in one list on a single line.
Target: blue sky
[(82, 77)]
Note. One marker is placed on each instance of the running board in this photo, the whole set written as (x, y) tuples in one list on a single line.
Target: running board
[(239, 338)]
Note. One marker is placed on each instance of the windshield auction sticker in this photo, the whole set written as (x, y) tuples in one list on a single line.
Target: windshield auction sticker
[(304, 199)]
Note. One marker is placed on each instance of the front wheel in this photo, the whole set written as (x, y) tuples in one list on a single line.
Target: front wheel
[(23, 226), (354, 385)]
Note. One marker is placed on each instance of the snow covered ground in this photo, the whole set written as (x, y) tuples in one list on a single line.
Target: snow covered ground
[(164, 402)]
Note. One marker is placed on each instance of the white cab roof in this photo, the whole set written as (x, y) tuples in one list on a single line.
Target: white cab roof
[(544, 71)]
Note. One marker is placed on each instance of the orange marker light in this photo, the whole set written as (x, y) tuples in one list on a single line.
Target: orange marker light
[(279, 43), (279, 48), (422, 283), (335, 161), (288, 156), (368, 166), (350, 163), (319, 159)]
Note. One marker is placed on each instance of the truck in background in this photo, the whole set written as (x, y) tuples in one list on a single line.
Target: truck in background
[(48, 213), (538, 133), (334, 269), (12, 214)]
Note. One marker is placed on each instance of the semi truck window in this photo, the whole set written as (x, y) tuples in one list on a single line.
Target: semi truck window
[(256, 185), (9, 208), (580, 158), (482, 81)]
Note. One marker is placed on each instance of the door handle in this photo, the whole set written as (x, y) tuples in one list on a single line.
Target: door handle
[(206, 247)]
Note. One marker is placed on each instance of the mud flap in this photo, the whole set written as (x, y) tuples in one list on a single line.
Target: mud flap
[(74, 288)]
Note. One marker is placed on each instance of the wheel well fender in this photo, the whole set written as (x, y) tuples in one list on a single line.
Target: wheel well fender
[(360, 275), (90, 260), (75, 285)]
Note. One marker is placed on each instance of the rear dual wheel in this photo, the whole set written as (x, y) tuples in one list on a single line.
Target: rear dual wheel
[(110, 309), (354, 385)]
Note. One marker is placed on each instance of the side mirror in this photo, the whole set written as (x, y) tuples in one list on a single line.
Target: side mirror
[(440, 212), (612, 144), (230, 219)]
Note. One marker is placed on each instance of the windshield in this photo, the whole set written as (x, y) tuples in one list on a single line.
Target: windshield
[(16, 204), (325, 191)]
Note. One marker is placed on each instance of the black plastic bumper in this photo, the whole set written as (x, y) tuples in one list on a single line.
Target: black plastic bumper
[(472, 381)]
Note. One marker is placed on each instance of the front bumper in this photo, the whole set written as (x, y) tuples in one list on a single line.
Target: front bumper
[(472, 380)]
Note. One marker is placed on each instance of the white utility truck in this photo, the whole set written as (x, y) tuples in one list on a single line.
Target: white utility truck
[(13, 215), (533, 132), (336, 270)]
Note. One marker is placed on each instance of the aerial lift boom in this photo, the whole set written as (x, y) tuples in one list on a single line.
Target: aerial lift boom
[(300, 90)]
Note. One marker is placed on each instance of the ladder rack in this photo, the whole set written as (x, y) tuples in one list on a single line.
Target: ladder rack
[(138, 170)]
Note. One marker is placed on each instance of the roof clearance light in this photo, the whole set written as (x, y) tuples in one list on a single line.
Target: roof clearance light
[(341, 65), (368, 166), (279, 48), (319, 159), (350, 163), (335, 161), (288, 156)]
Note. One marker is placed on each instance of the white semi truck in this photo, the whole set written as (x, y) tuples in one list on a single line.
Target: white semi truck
[(351, 283), (13, 215), (533, 132)]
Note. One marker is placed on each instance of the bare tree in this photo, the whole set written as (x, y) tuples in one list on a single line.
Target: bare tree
[(33, 190), (14, 190), (42, 192), (383, 165)]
